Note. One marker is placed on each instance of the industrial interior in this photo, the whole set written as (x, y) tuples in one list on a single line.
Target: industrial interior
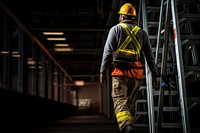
[(50, 56)]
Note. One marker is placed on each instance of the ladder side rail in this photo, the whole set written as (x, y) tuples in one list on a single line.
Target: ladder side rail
[(163, 68), (148, 75), (180, 69), (159, 32)]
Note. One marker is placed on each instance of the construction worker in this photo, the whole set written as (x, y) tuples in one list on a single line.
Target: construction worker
[(124, 51)]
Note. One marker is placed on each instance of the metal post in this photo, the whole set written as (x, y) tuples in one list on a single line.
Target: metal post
[(163, 70), (159, 32), (180, 69), (148, 77), (43, 75)]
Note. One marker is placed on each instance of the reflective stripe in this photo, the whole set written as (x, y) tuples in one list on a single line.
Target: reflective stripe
[(130, 37), (123, 115)]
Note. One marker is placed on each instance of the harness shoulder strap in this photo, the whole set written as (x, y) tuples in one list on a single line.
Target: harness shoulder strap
[(130, 37)]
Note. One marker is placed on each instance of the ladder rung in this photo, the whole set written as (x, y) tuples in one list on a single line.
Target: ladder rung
[(190, 17), (141, 100), (193, 99), (171, 125), (151, 37), (192, 37), (142, 87), (153, 23), (187, 1), (168, 109), (189, 42), (164, 125), (166, 92), (192, 68), (141, 113), (153, 8)]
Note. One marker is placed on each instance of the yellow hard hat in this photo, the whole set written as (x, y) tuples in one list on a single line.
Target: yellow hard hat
[(127, 9)]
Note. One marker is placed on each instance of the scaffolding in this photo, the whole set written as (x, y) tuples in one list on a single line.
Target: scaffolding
[(175, 48)]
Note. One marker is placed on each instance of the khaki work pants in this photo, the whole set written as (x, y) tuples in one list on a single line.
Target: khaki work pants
[(124, 95)]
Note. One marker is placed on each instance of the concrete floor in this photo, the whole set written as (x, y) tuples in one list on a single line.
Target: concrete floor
[(79, 124)]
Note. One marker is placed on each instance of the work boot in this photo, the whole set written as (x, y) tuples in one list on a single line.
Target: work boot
[(129, 129)]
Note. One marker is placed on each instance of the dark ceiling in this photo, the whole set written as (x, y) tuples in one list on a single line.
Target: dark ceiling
[(85, 24)]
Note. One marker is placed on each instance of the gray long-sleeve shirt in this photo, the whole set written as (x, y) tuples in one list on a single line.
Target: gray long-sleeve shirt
[(116, 37)]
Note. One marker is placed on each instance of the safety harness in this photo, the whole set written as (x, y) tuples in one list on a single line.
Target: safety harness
[(124, 57), (130, 37), (128, 58)]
